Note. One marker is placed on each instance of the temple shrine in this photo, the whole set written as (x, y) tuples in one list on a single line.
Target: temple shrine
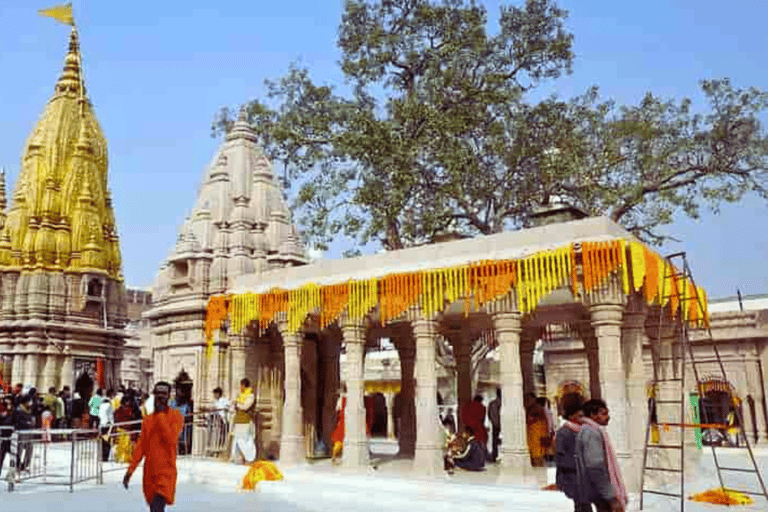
[(589, 275), (63, 299)]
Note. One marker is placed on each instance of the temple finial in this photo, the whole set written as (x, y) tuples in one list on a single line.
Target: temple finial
[(71, 79), (3, 201), (242, 116)]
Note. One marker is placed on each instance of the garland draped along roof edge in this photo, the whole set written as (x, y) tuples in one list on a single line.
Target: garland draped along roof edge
[(533, 276)]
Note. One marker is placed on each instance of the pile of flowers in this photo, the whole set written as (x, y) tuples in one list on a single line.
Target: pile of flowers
[(259, 471), (722, 496)]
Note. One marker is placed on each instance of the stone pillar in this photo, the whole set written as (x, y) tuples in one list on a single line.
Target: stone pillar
[(68, 370), (31, 370), (514, 449), (6, 362), (755, 388), (237, 363), (50, 372), (355, 438), (607, 321), (632, 339), (19, 361), (761, 397), (462, 353), (428, 450), (407, 431), (389, 397), (291, 440)]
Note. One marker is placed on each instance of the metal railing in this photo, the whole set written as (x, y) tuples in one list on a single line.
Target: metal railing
[(52, 457), (68, 457)]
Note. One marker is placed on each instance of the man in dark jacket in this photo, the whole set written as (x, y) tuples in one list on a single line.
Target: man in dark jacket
[(24, 420), (6, 428), (565, 444), (599, 479)]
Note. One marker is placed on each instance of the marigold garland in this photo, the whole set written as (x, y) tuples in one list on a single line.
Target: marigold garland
[(216, 313), (533, 277)]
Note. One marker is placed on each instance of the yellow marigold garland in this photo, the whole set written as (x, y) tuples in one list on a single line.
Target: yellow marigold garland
[(534, 277), (216, 312)]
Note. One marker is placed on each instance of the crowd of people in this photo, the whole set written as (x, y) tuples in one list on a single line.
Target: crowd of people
[(25, 409)]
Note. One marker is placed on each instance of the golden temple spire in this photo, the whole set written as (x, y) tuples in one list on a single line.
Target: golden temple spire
[(3, 202), (61, 217)]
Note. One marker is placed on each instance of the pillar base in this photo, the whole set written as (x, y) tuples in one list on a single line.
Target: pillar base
[(292, 450), (428, 461), (355, 455)]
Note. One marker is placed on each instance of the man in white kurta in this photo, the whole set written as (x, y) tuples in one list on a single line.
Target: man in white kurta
[(243, 430)]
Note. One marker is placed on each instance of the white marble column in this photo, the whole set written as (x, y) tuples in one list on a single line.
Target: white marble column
[(407, 432), (50, 371), (292, 441), (68, 370), (514, 449), (632, 339), (428, 455), (755, 389), (237, 363), (19, 361), (607, 321), (31, 371), (355, 451), (389, 397)]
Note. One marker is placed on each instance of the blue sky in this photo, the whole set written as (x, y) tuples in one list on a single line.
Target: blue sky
[(157, 71)]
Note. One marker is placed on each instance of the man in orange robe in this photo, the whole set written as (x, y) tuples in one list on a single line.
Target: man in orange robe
[(157, 444)]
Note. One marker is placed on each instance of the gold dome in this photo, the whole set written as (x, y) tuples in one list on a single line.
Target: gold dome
[(61, 215)]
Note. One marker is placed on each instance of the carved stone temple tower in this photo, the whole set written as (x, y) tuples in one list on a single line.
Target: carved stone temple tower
[(61, 286), (239, 225)]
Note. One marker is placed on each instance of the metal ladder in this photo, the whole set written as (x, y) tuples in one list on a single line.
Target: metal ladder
[(681, 351)]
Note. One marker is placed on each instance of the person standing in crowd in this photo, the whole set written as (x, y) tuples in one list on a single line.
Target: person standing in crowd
[(565, 446), (337, 437), (219, 420), (244, 445), (49, 400), (106, 422), (24, 420), (547, 441), (93, 408), (157, 445), (66, 399), (6, 428), (473, 415), (494, 416), (16, 394), (537, 430), (182, 404), (599, 479)]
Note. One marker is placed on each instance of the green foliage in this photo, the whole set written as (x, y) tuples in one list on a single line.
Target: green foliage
[(437, 136)]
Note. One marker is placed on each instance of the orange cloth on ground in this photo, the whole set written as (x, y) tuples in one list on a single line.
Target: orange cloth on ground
[(157, 445), (338, 432), (473, 415)]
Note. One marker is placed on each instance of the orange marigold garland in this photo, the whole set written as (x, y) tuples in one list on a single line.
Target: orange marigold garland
[(216, 313)]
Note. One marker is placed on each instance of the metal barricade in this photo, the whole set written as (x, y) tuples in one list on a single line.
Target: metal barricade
[(53, 457), (69, 457)]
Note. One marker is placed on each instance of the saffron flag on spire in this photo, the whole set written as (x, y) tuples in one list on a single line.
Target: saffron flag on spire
[(61, 13)]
